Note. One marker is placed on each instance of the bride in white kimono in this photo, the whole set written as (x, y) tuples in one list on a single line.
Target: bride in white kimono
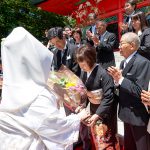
[(29, 117)]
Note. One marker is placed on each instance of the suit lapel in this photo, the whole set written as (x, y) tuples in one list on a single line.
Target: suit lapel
[(121, 65), (58, 58), (84, 78), (128, 66), (91, 77), (64, 58), (105, 37)]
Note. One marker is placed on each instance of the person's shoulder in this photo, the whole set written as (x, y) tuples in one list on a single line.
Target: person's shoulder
[(146, 30), (71, 46), (140, 59), (101, 70), (110, 34)]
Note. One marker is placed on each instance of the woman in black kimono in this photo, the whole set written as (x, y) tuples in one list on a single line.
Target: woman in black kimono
[(102, 106)]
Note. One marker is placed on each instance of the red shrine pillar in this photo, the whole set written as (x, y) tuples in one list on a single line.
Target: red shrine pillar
[(120, 16)]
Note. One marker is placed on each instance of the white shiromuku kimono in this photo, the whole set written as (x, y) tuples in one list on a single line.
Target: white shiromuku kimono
[(29, 117)]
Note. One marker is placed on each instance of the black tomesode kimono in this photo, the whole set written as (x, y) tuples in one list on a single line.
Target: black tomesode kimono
[(107, 109)]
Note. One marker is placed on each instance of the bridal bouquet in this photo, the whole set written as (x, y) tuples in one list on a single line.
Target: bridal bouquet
[(68, 87)]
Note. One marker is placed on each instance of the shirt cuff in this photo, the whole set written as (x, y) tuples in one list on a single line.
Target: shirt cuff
[(120, 80)]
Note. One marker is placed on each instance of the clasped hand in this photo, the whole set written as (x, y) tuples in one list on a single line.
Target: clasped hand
[(145, 96), (115, 73)]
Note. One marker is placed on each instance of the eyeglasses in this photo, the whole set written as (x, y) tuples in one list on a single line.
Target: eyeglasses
[(99, 28), (122, 43)]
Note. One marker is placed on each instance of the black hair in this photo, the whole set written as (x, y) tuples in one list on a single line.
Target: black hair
[(55, 32), (132, 3), (141, 17), (86, 53)]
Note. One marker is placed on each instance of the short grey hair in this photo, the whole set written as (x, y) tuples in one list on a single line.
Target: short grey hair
[(132, 37), (93, 15), (102, 22)]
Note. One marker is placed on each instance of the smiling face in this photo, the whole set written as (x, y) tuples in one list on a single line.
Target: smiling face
[(126, 48), (58, 43), (91, 20), (68, 31), (136, 24), (129, 8), (76, 36), (129, 44), (100, 28)]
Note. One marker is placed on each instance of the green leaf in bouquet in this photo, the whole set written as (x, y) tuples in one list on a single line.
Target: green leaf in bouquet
[(98, 122)]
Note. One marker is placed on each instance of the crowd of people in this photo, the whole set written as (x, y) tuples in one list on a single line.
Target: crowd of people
[(29, 116)]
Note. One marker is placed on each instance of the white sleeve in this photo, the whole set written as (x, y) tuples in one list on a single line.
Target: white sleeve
[(47, 121)]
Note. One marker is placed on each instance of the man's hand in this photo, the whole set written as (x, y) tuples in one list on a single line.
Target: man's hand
[(145, 96), (115, 73), (123, 26), (96, 40), (89, 34)]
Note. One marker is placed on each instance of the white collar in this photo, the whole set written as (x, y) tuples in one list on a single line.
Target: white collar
[(129, 58), (89, 73), (104, 34), (65, 45), (139, 33), (131, 14)]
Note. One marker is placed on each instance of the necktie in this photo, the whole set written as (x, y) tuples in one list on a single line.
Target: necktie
[(101, 38), (127, 19), (124, 64)]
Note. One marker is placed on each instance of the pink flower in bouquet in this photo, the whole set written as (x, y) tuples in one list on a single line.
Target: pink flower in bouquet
[(68, 86)]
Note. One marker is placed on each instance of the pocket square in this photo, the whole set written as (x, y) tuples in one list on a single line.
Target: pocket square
[(68, 57), (105, 40), (129, 74)]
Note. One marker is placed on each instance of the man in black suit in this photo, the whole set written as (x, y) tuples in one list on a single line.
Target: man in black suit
[(104, 42), (64, 52), (68, 34), (131, 80), (130, 9), (92, 29)]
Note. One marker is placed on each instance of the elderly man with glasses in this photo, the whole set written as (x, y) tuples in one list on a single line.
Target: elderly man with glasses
[(132, 77)]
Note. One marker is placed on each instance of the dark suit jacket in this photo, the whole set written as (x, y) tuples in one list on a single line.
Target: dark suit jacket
[(81, 43), (68, 59), (136, 77), (99, 79), (126, 21), (70, 40), (144, 49), (89, 41), (105, 51)]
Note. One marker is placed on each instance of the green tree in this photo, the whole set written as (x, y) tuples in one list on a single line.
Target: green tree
[(15, 13)]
